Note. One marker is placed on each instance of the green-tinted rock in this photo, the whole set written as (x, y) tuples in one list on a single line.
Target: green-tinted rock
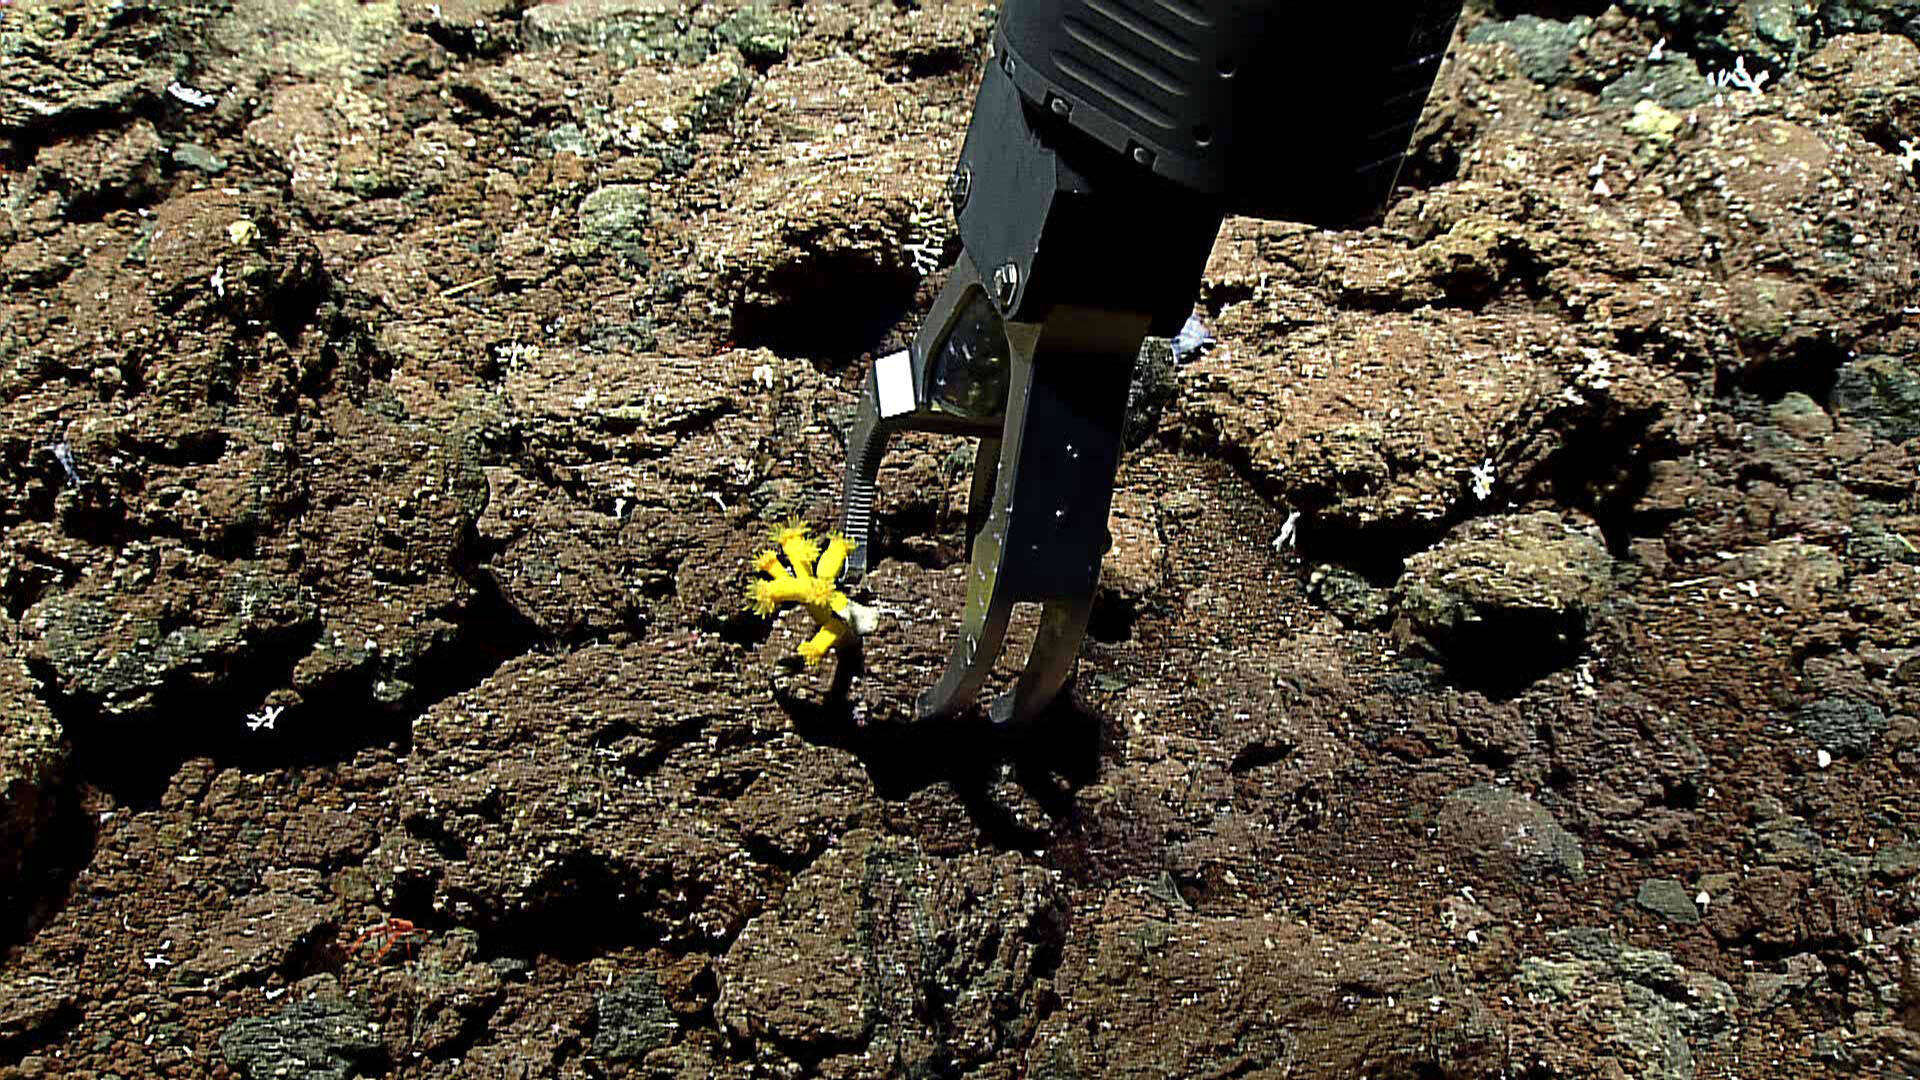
[(1504, 599), (1896, 862), (124, 651), (762, 36), (65, 58), (631, 1020), (1778, 23), (1801, 417), (195, 156), (1873, 543), (1673, 81), (320, 1038), (1882, 393), (1543, 45), (1871, 16), (625, 31), (1151, 391), (1668, 899), (314, 38), (1348, 595), (1654, 1011), (614, 219)]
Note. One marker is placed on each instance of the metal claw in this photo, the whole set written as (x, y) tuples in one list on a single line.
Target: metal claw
[(951, 380), (1048, 401)]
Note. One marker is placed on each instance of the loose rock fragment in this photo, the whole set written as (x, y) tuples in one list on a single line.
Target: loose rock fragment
[(631, 1020), (1668, 899), (1655, 1012), (1509, 834), (1842, 726), (1504, 600), (319, 1038)]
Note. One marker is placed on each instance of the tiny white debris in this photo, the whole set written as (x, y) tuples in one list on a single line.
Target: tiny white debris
[(266, 718), (1703, 899), (187, 95), (1289, 532), (155, 961), (1658, 52), (586, 398), (242, 232), (1822, 759), (219, 281), (763, 376), (1482, 480), (1601, 189)]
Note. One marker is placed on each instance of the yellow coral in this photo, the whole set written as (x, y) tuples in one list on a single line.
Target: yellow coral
[(810, 584), (834, 559), (800, 549)]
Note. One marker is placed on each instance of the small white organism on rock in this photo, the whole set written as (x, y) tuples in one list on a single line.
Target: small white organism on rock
[(1739, 78), (1598, 374), (187, 95), (1481, 480), (927, 232), (63, 453), (1289, 532)]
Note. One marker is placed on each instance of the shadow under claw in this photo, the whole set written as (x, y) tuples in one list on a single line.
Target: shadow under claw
[(1016, 781)]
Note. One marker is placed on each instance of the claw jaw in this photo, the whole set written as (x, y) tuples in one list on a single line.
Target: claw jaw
[(1048, 402)]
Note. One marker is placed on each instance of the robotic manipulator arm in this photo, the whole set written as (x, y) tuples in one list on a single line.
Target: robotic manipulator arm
[(1109, 140)]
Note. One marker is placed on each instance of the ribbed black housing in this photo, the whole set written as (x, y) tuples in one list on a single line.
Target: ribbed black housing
[(1294, 111)]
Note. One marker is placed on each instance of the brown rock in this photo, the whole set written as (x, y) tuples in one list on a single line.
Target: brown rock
[(884, 932), (33, 768)]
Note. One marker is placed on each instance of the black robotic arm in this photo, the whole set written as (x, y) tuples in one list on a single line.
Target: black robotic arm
[(1109, 140)]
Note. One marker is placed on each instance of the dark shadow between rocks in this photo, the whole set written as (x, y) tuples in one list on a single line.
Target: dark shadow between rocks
[(135, 760), (1504, 661), (1048, 758), (54, 860), (832, 308)]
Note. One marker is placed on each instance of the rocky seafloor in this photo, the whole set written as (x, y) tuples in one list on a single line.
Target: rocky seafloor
[(1508, 665)]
